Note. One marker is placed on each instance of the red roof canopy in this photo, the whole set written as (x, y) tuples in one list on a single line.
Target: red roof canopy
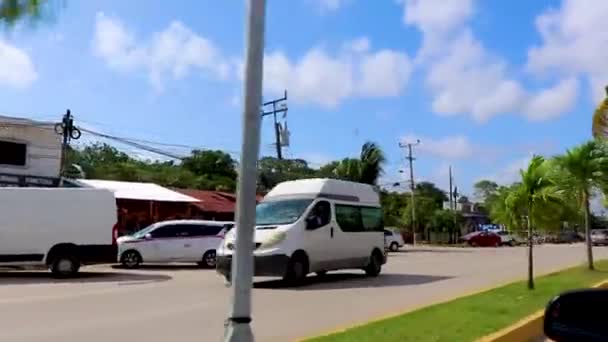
[(214, 201)]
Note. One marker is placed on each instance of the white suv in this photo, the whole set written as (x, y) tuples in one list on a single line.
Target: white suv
[(393, 240), (173, 241)]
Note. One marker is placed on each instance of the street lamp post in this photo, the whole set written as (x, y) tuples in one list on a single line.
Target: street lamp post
[(238, 328)]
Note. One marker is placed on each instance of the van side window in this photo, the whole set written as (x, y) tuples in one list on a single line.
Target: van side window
[(372, 219), (320, 215), (349, 218)]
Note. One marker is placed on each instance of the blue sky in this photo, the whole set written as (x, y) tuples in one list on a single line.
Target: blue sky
[(482, 84)]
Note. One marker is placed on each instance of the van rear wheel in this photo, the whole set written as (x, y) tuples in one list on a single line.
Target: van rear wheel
[(65, 265), (374, 267)]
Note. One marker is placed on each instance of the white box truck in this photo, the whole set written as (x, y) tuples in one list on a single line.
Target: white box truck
[(60, 228)]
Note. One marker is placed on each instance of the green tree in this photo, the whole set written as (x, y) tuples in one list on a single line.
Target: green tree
[(448, 221), (599, 126), (32, 11), (366, 169), (273, 171), (424, 209), (485, 190), (430, 190), (393, 204), (579, 171), (535, 192)]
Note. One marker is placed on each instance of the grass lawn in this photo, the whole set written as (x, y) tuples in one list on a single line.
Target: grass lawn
[(472, 317)]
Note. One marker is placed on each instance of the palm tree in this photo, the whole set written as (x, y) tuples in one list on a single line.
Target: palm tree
[(532, 196), (599, 127), (579, 171), (12, 11), (366, 169)]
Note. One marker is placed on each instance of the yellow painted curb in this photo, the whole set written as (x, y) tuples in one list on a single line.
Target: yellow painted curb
[(525, 328)]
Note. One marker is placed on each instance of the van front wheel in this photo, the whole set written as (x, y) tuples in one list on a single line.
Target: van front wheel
[(297, 270), (65, 265), (374, 267)]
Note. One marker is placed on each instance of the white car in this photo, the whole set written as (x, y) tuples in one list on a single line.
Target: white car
[(506, 239), (313, 226), (173, 241), (393, 240)]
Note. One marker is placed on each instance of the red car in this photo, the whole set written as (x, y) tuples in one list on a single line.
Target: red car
[(482, 239)]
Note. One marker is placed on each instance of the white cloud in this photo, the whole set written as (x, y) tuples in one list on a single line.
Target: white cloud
[(552, 102), (436, 19), (331, 5), (328, 79), (573, 42), (315, 159), (17, 69), (384, 73), (450, 148), (511, 172), (175, 51), (467, 79)]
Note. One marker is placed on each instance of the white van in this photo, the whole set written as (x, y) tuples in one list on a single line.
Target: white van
[(314, 225), (61, 228), (173, 241)]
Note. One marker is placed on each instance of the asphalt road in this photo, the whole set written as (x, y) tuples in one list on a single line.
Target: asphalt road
[(173, 303)]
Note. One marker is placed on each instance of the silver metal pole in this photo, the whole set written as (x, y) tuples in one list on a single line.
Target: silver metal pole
[(238, 328)]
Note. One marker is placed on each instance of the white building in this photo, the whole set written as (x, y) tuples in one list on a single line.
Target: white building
[(30, 152)]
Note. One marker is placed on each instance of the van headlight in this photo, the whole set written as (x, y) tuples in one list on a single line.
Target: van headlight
[(273, 240), (229, 244)]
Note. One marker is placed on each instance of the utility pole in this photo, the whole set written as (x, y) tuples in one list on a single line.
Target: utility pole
[(410, 158), (277, 127), (238, 324), (67, 130), (453, 205)]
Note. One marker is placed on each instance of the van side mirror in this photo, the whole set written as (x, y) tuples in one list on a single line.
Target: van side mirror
[(148, 236), (574, 316)]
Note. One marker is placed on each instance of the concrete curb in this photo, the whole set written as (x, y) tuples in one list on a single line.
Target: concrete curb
[(526, 329)]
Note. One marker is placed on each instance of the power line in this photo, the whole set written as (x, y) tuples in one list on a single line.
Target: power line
[(410, 158)]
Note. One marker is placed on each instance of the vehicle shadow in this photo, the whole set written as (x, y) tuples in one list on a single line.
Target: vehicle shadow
[(433, 250), (165, 267), (43, 277), (336, 281)]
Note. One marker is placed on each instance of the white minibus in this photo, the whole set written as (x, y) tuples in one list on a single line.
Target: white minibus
[(313, 226)]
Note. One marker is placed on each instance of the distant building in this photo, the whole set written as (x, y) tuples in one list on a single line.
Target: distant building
[(474, 217), (30, 153)]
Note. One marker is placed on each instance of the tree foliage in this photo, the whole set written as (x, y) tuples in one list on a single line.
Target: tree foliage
[(579, 171), (366, 169), (207, 170)]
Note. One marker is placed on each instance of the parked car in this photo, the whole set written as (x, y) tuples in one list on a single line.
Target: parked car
[(482, 239), (313, 226), (393, 240), (58, 228), (599, 237), (173, 241), (506, 238), (569, 237)]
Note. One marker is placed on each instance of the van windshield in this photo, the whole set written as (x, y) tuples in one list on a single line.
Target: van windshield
[(280, 212)]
